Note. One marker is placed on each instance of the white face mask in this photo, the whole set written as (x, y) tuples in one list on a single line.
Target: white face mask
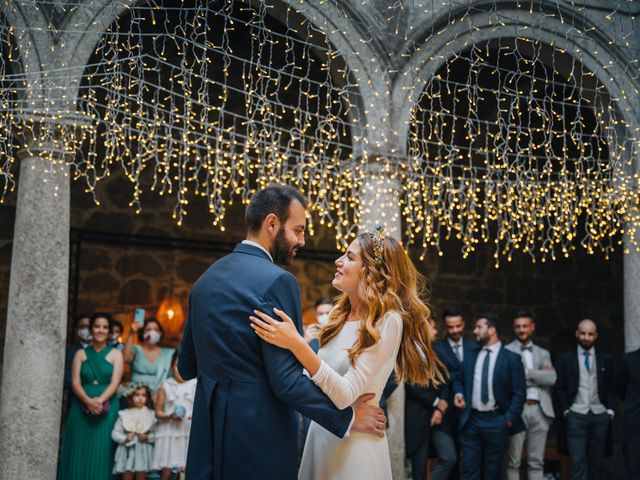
[(323, 319), (152, 337), (84, 334)]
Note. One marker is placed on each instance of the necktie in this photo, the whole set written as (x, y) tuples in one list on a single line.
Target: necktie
[(587, 363), (484, 385), (456, 350)]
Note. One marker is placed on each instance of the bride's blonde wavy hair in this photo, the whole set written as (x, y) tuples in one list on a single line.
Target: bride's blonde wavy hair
[(391, 284)]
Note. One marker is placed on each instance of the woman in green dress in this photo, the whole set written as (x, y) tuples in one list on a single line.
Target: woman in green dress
[(150, 363), (87, 449)]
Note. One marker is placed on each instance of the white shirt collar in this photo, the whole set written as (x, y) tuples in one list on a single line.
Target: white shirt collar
[(582, 350), (495, 347), (255, 244), (529, 344), (452, 343)]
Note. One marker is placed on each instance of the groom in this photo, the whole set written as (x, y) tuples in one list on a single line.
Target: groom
[(244, 424)]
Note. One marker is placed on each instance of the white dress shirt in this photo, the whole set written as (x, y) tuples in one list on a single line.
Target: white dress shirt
[(476, 402), (255, 244), (453, 345), (527, 357)]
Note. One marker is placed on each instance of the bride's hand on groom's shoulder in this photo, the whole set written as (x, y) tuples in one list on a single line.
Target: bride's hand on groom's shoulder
[(369, 418), (283, 334)]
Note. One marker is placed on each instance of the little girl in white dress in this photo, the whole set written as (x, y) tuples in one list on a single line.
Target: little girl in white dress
[(134, 433), (174, 407)]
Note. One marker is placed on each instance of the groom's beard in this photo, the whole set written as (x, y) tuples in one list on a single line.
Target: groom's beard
[(283, 251)]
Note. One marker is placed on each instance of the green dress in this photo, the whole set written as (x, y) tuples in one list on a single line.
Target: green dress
[(151, 373), (87, 449)]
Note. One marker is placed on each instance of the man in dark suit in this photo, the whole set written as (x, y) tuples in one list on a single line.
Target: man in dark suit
[(628, 387), (244, 425), (424, 425), (451, 350), (490, 391), (584, 393)]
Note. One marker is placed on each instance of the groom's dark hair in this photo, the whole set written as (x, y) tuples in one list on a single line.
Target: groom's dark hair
[(276, 200)]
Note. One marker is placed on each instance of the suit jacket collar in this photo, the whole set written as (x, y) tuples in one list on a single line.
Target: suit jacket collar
[(249, 249)]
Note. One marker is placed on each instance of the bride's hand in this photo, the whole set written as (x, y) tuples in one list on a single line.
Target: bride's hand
[(282, 334)]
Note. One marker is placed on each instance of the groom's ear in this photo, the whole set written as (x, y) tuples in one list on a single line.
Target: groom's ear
[(271, 224)]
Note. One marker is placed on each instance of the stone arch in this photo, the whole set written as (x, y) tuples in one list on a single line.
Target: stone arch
[(358, 56), (533, 26), (33, 42)]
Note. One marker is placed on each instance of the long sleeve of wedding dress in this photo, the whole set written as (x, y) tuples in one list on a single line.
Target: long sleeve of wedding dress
[(344, 390)]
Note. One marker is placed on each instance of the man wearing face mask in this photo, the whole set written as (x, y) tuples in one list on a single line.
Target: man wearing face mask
[(324, 305), (81, 339)]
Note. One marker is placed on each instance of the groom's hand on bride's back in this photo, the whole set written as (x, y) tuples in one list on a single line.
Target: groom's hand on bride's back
[(369, 418)]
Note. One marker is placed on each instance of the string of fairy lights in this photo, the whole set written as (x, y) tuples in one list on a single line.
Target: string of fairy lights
[(512, 142)]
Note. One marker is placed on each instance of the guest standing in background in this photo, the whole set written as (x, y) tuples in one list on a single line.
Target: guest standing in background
[(490, 391), (628, 387), (87, 449), (451, 350), (81, 339), (424, 426), (538, 409), (584, 394), (134, 433), (150, 363), (116, 335), (174, 409)]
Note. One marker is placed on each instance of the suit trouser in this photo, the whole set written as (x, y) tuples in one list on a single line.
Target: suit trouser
[(484, 440), (536, 436), (632, 457), (586, 440), (443, 444)]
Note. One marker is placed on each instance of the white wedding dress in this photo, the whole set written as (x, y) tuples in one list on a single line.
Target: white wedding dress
[(359, 456)]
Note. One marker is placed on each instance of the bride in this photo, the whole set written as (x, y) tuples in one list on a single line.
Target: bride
[(378, 323)]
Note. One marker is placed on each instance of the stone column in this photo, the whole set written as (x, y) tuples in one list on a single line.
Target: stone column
[(33, 368), (380, 205), (631, 297)]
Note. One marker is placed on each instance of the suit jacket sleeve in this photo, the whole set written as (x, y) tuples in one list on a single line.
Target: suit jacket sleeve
[(428, 395), (622, 378), (560, 387), (542, 378), (519, 386), (284, 371), (187, 363), (610, 383)]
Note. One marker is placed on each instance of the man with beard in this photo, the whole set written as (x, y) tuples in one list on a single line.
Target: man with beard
[(490, 391), (244, 425), (538, 408), (451, 350), (584, 394)]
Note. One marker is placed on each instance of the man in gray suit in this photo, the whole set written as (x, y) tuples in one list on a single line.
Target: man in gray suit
[(538, 409)]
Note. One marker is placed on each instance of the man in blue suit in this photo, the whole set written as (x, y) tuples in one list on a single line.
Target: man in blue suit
[(451, 350), (244, 424), (490, 391)]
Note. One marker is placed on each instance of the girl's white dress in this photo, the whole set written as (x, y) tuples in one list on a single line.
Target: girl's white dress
[(172, 437), (358, 456), (133, 456)]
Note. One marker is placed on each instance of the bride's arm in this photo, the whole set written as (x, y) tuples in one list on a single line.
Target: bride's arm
[(285, 335), (343, 390)]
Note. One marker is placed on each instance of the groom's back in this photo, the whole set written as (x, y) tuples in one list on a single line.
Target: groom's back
[(238, 416), (220, 304)]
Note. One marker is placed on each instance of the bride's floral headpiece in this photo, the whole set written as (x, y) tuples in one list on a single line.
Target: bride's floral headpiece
[(377, 237)]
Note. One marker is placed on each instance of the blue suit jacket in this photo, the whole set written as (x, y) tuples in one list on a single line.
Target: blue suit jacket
[(244, 425), (445, 353), (509, 386)]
